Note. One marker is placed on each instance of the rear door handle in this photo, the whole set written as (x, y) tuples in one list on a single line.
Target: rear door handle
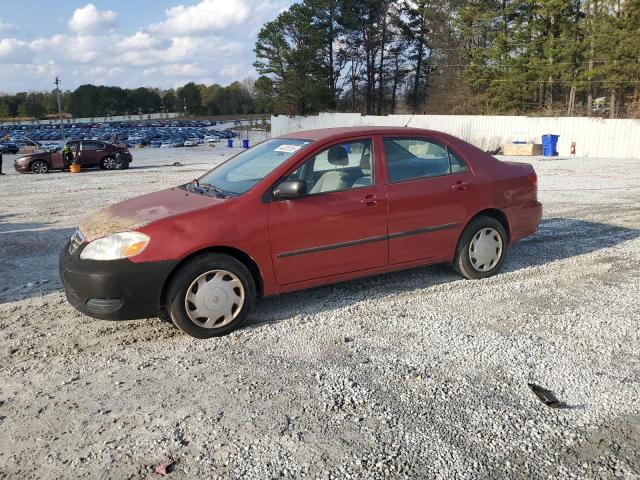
[(459, 185), (371, 200)]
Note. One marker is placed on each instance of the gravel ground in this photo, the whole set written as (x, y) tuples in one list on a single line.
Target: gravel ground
[(407, 375)]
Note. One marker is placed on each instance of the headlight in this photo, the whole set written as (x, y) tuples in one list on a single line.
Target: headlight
[(21, 160), (114, 247)]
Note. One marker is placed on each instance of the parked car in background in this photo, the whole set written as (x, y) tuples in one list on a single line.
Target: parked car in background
[(191, 143), (91, 153), (293, 212), (9, 147)]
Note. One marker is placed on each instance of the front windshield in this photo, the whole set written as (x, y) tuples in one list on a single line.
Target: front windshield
[(243, 171)]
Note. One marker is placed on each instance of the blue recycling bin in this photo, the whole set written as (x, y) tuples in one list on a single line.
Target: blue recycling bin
[(230, 142), (550, 145), (245, 143)]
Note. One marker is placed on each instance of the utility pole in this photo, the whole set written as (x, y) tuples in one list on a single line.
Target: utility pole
[(57, 84)]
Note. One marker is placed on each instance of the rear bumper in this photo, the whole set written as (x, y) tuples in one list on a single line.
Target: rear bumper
[(113, 290), (523, 220)]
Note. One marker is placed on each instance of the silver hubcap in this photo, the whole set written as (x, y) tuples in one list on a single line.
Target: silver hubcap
[(485, 249), (214, 299), (109, 163), (40, 167)]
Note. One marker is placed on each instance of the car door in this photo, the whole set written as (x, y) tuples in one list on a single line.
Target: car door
[(430, 193), (340, 226), (91, 152)]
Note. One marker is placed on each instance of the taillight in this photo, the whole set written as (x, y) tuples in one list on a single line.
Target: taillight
[(533, 179)]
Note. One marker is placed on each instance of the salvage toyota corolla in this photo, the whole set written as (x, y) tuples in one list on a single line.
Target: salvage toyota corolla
[(305, 209)]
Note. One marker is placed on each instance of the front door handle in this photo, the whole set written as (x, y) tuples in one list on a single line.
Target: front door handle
[(459, 185), (371, 200)]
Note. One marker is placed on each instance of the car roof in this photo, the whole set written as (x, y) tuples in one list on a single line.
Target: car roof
[(334, 133)]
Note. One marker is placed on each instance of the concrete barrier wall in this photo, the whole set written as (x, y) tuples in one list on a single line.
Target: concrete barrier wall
[(594, 137)]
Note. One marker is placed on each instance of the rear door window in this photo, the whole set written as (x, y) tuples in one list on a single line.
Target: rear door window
[(413, 158), (92, 146)]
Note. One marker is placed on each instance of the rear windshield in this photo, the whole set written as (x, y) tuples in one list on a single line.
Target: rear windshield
[(240, 173)]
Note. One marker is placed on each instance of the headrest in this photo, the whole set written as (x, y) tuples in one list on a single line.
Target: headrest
[(365, 164), (338, 156)]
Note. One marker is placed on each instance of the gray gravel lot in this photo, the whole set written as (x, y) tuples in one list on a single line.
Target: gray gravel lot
[(416, 374)]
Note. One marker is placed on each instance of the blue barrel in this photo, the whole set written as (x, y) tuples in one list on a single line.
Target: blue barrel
[(245, 143), (550, 145), (230, 142)]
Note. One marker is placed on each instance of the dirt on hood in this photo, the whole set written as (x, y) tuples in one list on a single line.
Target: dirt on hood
[(140, 211)]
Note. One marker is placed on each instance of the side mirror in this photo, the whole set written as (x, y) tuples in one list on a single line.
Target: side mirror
[(290, 189)]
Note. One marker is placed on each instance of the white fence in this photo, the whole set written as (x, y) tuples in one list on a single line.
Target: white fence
[(594, 137)]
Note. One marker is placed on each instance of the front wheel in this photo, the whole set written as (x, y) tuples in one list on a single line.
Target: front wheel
[(210, 296), (39, 166), (481, 249)]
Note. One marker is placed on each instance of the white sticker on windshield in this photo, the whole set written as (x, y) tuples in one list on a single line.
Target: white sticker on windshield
[(287, 148)]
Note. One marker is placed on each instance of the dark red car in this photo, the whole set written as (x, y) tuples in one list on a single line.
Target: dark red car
[(305, 209), (90, 153)]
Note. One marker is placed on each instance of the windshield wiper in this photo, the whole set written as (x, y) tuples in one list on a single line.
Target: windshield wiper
[(208, 186)]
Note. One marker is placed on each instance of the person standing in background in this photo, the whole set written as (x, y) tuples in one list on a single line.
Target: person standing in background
[(3, 139)]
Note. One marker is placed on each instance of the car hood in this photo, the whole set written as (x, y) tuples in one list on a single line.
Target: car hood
[(29, 156), (140, 211)]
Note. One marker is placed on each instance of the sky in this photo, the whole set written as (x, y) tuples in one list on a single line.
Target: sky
[(129, 43)]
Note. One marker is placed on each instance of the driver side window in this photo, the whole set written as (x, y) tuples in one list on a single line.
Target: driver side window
[(340, 167)]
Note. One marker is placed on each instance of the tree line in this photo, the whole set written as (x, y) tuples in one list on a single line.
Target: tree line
[(551, 57), (99, 101)]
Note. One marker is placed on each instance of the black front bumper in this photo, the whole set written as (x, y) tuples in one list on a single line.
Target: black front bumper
[(116, 289)]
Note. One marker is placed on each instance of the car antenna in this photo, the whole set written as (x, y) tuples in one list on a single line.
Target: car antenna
[(407, 124)]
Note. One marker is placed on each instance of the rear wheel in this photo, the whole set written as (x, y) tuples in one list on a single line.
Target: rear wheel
[(481, 249), (108, 163), (40, 166), (210, 296)]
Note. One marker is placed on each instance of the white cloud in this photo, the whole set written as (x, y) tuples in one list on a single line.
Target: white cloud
[(6, 27), (15, 51), (208, 16), (87, 48), (101, 71), (140, 41), (183, 70), (231, 71), (89, 19)]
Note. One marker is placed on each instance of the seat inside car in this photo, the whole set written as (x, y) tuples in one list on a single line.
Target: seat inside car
[(333, 180), (365, 166)]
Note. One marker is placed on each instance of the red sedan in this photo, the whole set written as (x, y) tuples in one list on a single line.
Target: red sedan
[(301, 210)]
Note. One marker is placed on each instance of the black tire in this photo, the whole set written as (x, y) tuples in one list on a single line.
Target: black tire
[(39, 166), (463, 263), (188, 273)]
